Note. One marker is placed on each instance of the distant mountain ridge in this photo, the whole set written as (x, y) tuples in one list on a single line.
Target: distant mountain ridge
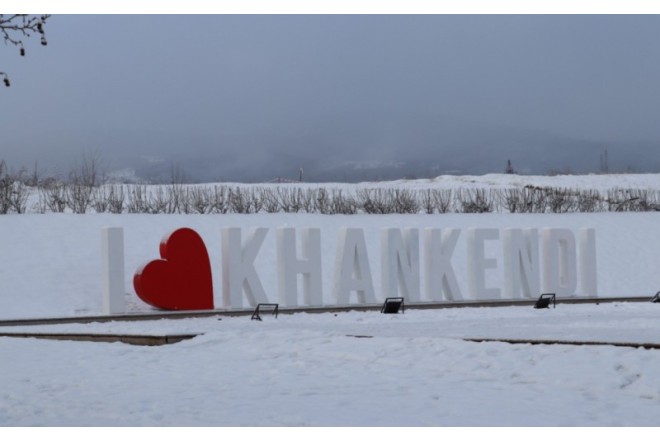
[(402, 148)]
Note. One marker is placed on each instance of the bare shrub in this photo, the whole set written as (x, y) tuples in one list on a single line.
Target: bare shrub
[(52, 194), (255, 201), (269, 199), (40, 206), (200, 200), (560, 200), (6, 187), (376, 200), (528, 199), (588, 201), (442, 200), (242, 201), (13, 191), (405, 202), (116, 199), (475, 201), (538, 198), (342, 204), (654, 200), (307, 198), (175, 197), (84, 176), (108, 198), (426, 201), (100, 199), (642, 202), (637, 199), (137, 199), (156, 201), (512, 200), (287, 199), (219, 199), (78, 197), (618, 199), (19, 197), (323, 201)]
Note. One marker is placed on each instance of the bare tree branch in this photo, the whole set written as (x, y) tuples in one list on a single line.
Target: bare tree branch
[(16, 27)]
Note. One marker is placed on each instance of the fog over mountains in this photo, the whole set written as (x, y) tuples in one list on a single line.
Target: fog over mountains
[(346, 149), (395, 148)]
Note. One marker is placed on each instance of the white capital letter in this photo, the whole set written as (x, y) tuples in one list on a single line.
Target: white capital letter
[(352, 272), (588, 273), (400, 263), (559, 262), (522, 274), (477, 263), (112, 247), (440, 277), (289, 266), (238, 273)]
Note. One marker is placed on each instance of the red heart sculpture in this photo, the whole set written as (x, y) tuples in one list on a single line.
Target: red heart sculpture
[(182, 279)]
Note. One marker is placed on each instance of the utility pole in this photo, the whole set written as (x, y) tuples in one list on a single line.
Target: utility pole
[(604, 163)]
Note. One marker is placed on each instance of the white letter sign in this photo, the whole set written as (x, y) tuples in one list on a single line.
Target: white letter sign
[(478, 263), (238, 272), (352, 271), (289, 266), (588, 273), (439, 245), (112, 252), (522, 271), (400, 263), (560, 262)]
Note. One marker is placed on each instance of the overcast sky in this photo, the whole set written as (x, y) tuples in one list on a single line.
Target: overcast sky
[(248, 85)]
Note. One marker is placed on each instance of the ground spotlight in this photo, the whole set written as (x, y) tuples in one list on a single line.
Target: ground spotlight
[(261, 306), (544, 301), (392, 305)]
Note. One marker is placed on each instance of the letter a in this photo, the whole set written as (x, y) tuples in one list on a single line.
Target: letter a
[(352, 272)]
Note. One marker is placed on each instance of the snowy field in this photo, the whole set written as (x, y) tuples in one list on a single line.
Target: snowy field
[(345, 369), (348, 369)]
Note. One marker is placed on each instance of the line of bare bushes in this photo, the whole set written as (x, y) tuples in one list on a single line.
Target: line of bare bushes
[(84, 192), (58, 197)]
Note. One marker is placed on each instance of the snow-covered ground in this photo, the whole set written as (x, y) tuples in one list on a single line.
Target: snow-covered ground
[(348, 369), (345, 369), (602, 182)]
